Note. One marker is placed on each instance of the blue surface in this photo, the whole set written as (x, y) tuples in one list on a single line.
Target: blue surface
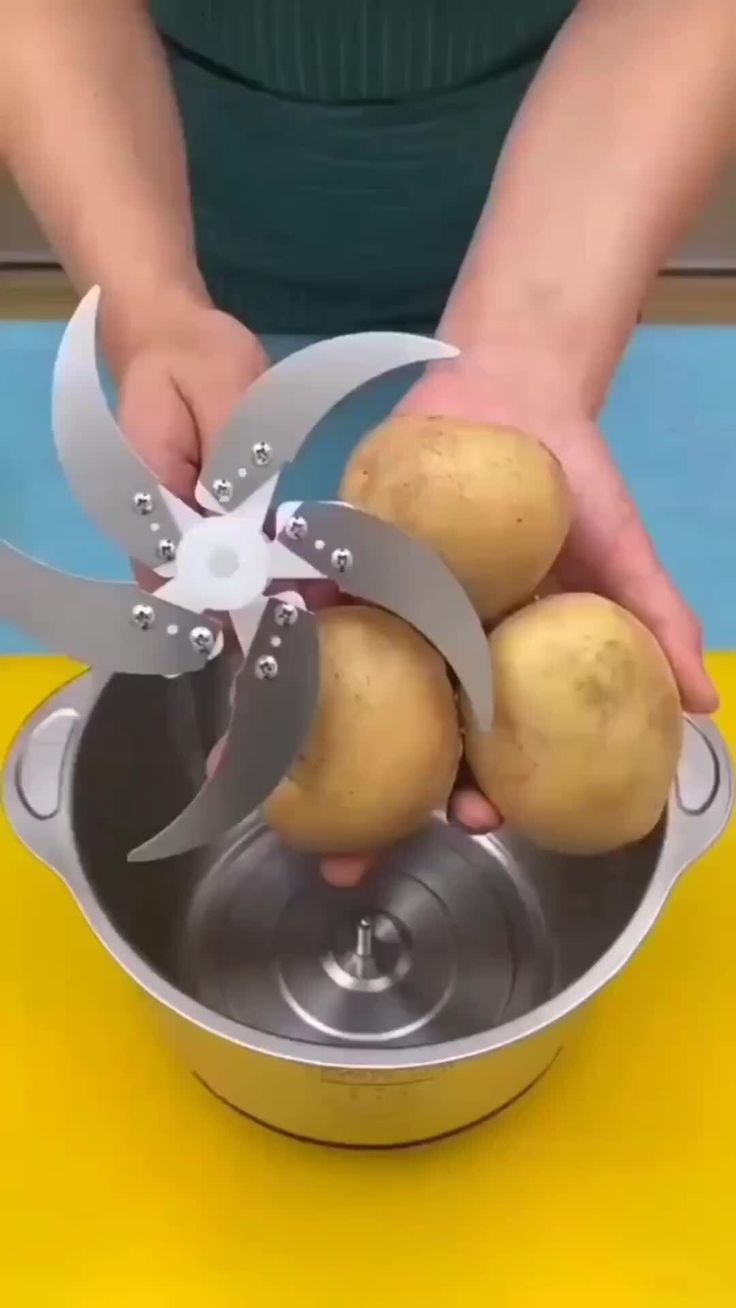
[(671, 420)]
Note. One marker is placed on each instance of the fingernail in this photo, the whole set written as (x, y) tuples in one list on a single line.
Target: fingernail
[(715, 698)]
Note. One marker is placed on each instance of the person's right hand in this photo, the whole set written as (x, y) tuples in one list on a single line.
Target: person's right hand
[(180, 371), (608, 549)]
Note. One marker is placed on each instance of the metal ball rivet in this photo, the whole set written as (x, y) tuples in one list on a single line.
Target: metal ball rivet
[(286, 615), (222, 489), (202, 639), (261, 454), (143, 503), (342, 560), (266, 667), (296, 527), (143, 616), (166, 550)]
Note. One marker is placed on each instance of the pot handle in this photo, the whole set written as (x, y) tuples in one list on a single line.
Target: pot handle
[(703, 793), (37, 778)]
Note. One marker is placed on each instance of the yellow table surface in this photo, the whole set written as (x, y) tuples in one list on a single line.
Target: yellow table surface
[(124, 1184)]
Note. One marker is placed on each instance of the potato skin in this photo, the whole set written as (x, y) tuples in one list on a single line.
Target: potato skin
[(588, 729), (384, 748), (492, 501)]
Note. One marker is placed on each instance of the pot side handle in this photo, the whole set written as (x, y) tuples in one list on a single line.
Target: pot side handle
[(37, 779), (703, 793)]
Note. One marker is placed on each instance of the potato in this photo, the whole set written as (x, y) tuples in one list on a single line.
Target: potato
[(588, 727), (384, 748), (491, 501)]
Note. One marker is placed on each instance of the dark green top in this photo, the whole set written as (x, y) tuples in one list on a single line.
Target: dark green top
[(341, 150)]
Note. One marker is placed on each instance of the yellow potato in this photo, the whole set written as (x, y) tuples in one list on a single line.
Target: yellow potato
[(492, 501), (384, 749), (588, 728)]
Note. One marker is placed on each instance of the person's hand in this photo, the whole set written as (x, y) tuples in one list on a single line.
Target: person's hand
[(607, 551), (180, 367)]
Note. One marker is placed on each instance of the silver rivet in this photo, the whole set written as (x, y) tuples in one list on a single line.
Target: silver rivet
[(286, 615), (261, 454), (143, 616), (319, 544), (222, 490), (202, 639), (296, 528), (266, 668), (166, 550), (155, 526), (342, 560), (143, 503), (172, 629), (275, 642), (242, 472)]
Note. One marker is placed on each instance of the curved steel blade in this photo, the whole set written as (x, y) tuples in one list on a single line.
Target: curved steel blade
[(246, 623), (95, 621), (279, 410), (115, 487), (375, 561), (270, 721), (284, 565)]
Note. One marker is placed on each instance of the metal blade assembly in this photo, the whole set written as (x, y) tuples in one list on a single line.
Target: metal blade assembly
[(225, 561), (107, 624), (281, 408), (378, 562), (107, 477), (275, 697)]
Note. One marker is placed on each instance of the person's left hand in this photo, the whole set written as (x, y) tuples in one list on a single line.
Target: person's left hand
[(608, 549)]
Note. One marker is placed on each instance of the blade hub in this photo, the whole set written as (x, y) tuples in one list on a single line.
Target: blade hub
[(225, 563)]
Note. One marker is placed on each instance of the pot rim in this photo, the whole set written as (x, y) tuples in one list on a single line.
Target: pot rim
[(52, 841)]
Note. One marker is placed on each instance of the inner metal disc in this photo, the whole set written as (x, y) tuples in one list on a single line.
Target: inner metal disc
[(443, 940)]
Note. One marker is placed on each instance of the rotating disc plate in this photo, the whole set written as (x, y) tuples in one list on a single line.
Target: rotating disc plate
[(441, 942)]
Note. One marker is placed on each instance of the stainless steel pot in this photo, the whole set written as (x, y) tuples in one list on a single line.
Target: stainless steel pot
[(387, 1015)]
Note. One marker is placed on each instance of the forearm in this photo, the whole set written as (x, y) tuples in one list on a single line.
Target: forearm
[(92, 135), (621, 138)]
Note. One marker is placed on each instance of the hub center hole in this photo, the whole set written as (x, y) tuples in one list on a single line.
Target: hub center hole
[(224, 561)]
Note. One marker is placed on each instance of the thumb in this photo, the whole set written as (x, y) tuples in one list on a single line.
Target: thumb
[(678, 631), (643, 586), (160, 426), (214, 386)]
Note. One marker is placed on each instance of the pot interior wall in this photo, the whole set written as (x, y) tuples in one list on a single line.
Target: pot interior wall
[(142, 758)]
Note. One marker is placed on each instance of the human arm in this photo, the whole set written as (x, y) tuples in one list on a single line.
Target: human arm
[(623, 134), (618, 143), (91, 132)]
